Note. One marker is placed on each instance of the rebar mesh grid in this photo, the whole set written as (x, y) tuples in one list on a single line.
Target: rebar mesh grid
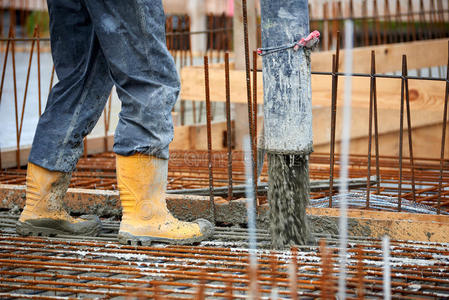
[(56, 268), (189, 170)]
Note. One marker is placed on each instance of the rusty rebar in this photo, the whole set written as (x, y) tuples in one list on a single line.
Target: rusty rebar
[(411, 19), (51, 79), (38, 43), (365, 23), (13, 59), (376, 22), (209, 138), (106, 119), (326, 35), (409, 126), (254, 143), (228, 125), (376, 127), (401, 128), (335, 62), (399, 35), (248, 91), (3, 77), (360, 273), (387, 22), (85, 150), (5, 61), (27, 81), (370, 128), (443, 137)]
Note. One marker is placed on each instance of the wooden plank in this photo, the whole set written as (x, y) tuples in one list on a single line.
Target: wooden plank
[(426, 95), (426, 127), (399, 226), (194, 137), (388, 57)]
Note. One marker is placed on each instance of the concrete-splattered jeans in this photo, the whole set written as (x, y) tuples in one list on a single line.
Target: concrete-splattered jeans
[(97, 44)]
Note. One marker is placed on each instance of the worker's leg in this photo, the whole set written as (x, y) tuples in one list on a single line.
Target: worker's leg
[(76, 102), (132, 36), (73, 108)]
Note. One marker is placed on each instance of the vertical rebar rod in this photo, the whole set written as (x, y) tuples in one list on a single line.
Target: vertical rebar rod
[(190, 40), (229, 293), (326, 40), (156, 290), (441, 22), (52, 76), (209, 138), (27, 81), (443, 138), (210, 41), (409, 127), (85, 147), (433, 19), (387, 22), (200, 294), (254, 143), (376, 22), (219, 37), (398, 22), (107, 118), (335, 62), (422, 20), (401, 128), (360, 273), (376, 125), (13, 59), (180, 45), (411, 20), (335, 22), (248, 87), (200, 114), (365, 23), (228, 125), (38, 46), (182, 110), (370, 129), (5, 62)]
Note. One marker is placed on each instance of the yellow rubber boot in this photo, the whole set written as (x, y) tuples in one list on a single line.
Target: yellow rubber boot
[(142, 181), (44, 213)]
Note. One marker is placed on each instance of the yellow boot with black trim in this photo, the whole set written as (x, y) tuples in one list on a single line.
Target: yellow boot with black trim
[(44, 214), (142, 181)]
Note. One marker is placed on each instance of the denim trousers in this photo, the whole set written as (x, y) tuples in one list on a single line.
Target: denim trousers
[(97, 44)]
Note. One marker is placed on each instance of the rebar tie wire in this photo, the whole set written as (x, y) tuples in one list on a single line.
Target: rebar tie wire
[(309, 42)]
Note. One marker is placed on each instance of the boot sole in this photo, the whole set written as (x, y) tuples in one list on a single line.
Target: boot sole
[(133, 240), (50, 228)]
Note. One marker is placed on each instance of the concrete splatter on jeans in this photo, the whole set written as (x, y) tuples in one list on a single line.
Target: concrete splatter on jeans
[(95, 45)]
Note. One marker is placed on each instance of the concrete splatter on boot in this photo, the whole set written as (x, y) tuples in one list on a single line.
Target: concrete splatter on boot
[(44, 214), (142, 181)]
